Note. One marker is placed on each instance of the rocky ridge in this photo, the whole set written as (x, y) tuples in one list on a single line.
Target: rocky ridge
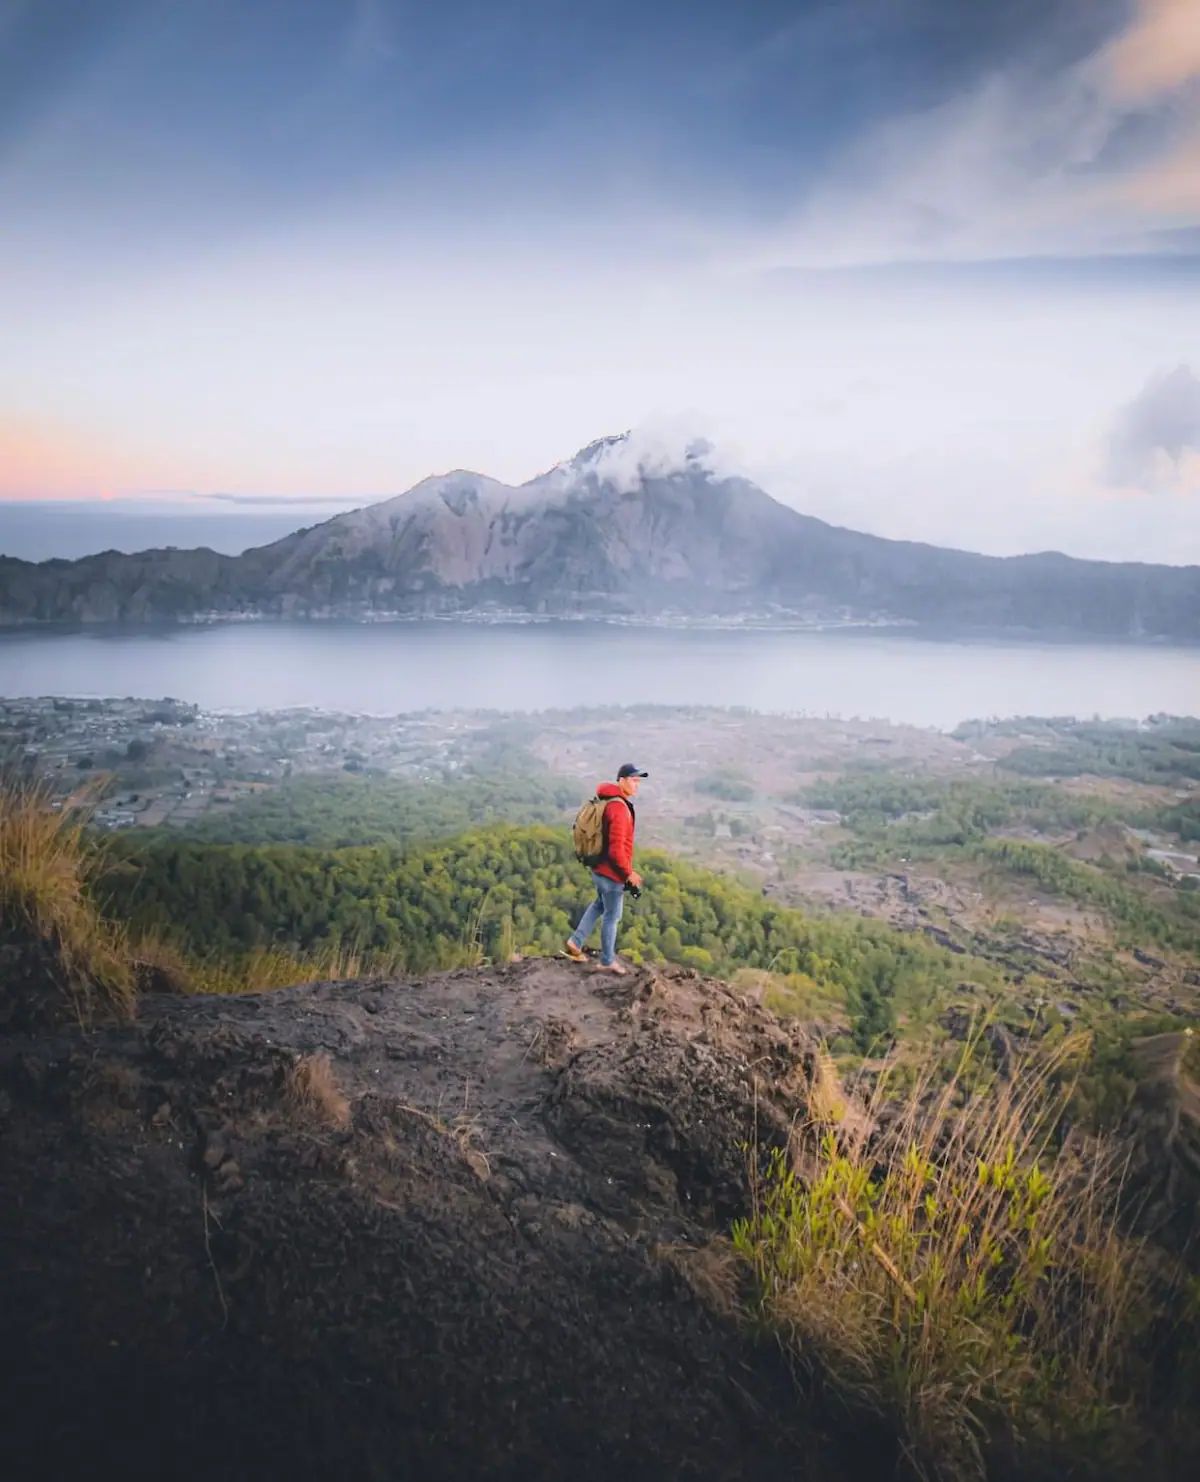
[(455, 1227)]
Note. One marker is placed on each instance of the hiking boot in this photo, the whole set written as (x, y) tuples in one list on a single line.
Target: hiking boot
[(612, 967), (576, 954)]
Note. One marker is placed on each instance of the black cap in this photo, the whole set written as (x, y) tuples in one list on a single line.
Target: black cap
[(629, 770)]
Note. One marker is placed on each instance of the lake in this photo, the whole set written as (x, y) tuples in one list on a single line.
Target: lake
[(388, 668)]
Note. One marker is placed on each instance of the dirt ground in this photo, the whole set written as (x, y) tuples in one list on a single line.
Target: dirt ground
[(450, 1228)]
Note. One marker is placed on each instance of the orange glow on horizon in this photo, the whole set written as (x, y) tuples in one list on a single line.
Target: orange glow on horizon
[(43, 460)]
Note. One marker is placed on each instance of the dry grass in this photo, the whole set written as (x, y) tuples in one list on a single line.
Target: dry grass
[(957, 1273), (46, 858), (312, 1090), (466, 1130), (713, 1272), (463, 1131), (162, 966), (264, 969)]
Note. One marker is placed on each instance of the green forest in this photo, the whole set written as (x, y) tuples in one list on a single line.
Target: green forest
[(1138, 920), (899, 818), (500, 890), (950, 811), (337, 812), (1164, 749)]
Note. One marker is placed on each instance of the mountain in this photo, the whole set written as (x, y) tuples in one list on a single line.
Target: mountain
[(606, 535)]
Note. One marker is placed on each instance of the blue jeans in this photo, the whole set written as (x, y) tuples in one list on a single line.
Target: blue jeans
[(609, 902)]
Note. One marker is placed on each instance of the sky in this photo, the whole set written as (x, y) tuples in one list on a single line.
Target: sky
[(925, 268)]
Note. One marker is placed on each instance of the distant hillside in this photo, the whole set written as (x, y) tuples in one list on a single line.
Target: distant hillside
[(585, 540)]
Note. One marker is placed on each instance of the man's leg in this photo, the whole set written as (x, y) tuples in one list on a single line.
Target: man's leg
[(587, 921), (612, 894)]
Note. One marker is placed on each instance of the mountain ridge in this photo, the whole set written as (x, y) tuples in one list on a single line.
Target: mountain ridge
[(609, 534)]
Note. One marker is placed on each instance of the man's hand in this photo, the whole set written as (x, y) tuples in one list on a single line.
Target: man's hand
[(635, 880)]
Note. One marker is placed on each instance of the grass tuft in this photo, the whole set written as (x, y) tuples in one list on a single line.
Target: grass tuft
[(312, 1090), (958, 1273), (265, 969), (46, 858)]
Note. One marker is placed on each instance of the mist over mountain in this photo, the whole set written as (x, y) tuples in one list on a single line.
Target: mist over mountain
[(612, 532)]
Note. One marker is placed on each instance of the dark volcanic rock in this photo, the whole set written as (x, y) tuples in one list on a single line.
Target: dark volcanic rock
[(453, 1228)]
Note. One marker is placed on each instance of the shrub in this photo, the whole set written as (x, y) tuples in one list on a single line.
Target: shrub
[(731, 787), (956, 1276)]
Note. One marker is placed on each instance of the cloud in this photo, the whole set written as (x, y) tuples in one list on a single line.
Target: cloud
[(655, 449), (277, 501), (1154, 437), (1091, 156), (1159, 51), (1170, 186)]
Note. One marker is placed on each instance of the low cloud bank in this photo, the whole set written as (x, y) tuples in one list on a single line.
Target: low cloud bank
[(1153, 436), (656, 449)]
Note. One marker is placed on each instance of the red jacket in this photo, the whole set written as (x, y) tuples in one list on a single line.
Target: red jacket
[(619, 820)]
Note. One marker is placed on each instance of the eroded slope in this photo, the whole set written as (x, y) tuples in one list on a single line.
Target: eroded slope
[(432, 1229)]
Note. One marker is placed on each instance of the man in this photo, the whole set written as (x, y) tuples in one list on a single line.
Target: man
[(614, 872)]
